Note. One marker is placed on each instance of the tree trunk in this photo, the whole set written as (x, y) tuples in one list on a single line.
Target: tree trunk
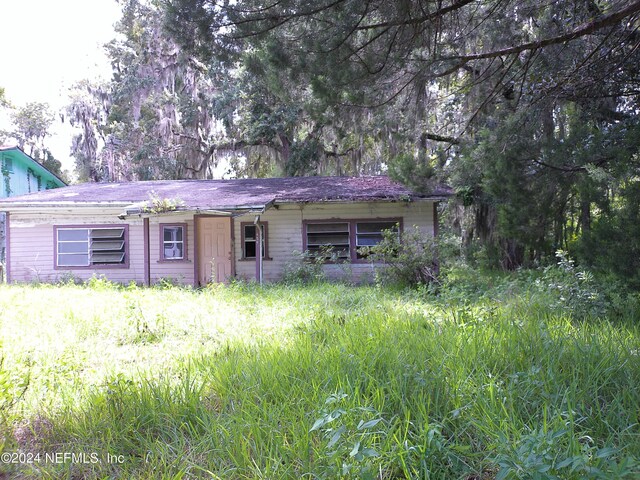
[(285, 151), (585, 216)]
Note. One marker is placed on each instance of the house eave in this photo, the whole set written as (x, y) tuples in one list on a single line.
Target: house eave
[(141, 210), (10, 206), (438, 198)]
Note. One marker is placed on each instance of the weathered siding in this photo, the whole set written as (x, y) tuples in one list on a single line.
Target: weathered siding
[(2, 237), (32, 249), (32, 241), (285, 233), (178, 270)]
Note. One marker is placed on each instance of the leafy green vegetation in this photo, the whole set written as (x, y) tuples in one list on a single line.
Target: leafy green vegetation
[(534, 374)]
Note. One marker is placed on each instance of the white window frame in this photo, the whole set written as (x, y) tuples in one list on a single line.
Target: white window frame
[(174, 242)]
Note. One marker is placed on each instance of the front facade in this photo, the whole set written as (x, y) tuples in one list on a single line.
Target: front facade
[(197, 232), (21, 174)]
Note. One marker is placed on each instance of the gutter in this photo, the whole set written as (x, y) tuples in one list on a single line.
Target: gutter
[(259, 261)]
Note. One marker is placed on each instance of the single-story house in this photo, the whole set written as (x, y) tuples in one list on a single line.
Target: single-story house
[(201, 231)]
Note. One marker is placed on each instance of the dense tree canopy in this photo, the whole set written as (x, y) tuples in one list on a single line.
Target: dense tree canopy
[(529, 109)]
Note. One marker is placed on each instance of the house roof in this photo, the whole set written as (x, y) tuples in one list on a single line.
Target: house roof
[(228, 195), (17, 154)]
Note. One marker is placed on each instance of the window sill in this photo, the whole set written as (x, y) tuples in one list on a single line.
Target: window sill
[(91, 267), (359, 261), (177, 260), (253, 259)]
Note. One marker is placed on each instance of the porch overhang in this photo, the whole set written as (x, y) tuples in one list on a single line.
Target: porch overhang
[(142, 210)]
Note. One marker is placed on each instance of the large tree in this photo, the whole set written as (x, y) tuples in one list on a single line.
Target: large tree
[(528, 108), (524, 105), (153, 118), (30, 126)]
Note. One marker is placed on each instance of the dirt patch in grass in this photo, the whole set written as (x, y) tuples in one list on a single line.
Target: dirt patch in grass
[(31, 434)]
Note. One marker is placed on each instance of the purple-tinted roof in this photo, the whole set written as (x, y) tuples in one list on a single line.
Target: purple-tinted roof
[(230, 194)]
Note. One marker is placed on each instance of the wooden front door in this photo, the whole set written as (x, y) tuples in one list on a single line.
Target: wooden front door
[(214, 249)]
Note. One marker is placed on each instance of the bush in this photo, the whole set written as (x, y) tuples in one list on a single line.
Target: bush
[(409, 260), (576, 290), (304, 268)]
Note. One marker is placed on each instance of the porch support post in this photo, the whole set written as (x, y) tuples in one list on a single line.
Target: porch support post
[(146, 259), (258, 249), (7, 249)]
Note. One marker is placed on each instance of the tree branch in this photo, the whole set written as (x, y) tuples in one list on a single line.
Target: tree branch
[(581, 31), (416, 21), (441, 138)]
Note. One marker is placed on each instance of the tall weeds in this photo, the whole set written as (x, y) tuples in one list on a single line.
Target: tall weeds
[(490, 379)]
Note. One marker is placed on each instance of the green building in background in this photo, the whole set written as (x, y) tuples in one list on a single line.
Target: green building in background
[(21, 174)]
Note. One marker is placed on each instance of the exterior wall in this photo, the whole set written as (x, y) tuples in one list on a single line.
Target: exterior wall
[(2, 239), (21, 179), (32, 249), (285, 233), (31, 241), (32, 244), (178, 270)]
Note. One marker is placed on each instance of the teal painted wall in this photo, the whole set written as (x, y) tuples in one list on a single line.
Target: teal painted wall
[(20, 174)]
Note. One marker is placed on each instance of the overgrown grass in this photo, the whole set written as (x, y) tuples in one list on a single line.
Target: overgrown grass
[(495, 377)]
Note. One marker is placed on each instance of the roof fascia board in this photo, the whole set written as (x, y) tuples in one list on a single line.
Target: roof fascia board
[(365, 200), (59, 208)]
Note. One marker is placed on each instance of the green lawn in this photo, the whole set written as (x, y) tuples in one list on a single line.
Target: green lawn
[(495, 377)]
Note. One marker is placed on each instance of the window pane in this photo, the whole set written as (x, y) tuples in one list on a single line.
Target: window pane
[(249, 246), (73, 247), (107, 257), (107, 245), (73, 234), (250, 249), (250, 232), (172, 234), (73, 260), (369, 240), (375, 227), (327, 227), (328, 239), (107, 233), (173, 250)]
